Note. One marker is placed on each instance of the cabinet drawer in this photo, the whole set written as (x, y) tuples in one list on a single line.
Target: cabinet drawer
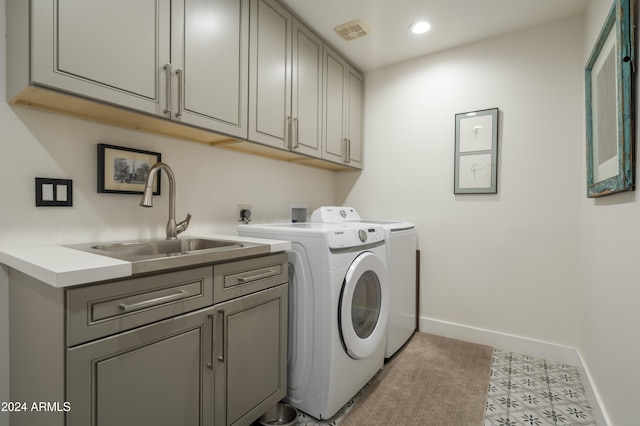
[(236, 279), (103, 309)]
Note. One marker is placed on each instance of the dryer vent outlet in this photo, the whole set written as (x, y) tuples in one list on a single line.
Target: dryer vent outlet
[(352, 30)]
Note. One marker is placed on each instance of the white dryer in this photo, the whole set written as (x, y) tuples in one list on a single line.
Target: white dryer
[(402, 242), (339, 306)]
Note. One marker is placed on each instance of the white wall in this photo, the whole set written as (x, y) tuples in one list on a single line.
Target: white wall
[(4, 289), (610, 229), (211, 183), (509, 262)]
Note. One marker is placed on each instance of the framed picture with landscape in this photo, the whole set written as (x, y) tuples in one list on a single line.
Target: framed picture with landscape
[(124, 170), (609, 108)]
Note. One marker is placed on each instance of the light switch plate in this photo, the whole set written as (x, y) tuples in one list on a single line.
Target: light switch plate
[(54, 192)]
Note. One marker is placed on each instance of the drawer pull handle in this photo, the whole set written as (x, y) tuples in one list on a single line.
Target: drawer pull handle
[(151, 302), (269, 273)]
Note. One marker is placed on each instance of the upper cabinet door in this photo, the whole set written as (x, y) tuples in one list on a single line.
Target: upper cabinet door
[(335, 138), (210, 63), (354, 119), (342, 111), (113, 51), (270, 120), (306, 92)]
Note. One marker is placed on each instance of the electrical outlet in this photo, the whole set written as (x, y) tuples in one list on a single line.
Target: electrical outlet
[(244, 213)]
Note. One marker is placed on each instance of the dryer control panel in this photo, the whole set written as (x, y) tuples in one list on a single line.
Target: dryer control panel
[(357, 236), (334, 214)]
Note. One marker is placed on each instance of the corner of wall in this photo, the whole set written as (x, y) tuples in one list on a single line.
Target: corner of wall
[(591, 390)]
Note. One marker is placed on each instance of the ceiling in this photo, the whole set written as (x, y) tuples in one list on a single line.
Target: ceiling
[(454, 23)]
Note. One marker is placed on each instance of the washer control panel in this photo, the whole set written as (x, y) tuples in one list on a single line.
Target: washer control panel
[(354, 236)]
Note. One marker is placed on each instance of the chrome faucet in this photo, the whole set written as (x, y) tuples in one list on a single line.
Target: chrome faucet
[(173, 229)]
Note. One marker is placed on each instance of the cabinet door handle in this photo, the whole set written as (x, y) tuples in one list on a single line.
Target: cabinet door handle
[(266, 274), (297, 133), (152, 302), (344, 150), (221, 343), (180, 74), (287, 136), (348, 159), (167, 88), (213, 332)]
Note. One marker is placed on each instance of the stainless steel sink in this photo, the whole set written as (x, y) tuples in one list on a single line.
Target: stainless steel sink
[(156, 255), (165, 247)]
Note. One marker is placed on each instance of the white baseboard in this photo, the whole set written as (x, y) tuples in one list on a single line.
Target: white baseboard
[(523, 345), (599, 412), (507, 342)]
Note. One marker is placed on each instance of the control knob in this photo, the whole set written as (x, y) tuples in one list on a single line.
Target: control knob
[(363, 235)]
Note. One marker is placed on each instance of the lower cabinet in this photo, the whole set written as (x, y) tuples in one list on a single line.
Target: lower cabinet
[(251, 355), (224, 365), (151, 375), (203, 346)]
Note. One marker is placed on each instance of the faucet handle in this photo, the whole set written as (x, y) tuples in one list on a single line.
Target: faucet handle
[(182, 226)]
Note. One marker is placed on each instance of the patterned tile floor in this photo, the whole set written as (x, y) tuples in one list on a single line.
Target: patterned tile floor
[(530, 391)]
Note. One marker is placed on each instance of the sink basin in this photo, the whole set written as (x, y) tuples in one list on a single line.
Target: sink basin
[(165, 247), (156, 255)]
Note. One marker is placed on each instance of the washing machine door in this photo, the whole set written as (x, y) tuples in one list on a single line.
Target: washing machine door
[(364, 306)]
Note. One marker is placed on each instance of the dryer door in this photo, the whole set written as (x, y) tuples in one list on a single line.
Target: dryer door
[(364, 306)]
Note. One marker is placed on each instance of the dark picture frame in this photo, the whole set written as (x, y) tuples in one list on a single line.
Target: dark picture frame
[(123, 170), (609, 105), (476, 152)]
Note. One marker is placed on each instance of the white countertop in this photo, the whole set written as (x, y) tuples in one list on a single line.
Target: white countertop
[(61, 266)]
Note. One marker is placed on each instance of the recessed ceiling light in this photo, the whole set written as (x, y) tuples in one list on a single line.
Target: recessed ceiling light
[(420, 27)]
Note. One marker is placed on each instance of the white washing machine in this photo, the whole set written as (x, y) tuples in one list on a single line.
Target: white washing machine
[(402, 242), (339, 306)]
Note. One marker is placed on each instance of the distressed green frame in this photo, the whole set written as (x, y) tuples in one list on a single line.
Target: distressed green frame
[(620, 20)]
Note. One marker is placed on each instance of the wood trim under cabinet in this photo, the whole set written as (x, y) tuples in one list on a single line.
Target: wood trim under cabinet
[(44, 99)]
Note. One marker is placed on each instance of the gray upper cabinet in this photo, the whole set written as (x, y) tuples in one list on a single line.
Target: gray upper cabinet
[(343, 111), (106, 50), (306, 92), (270, 74), (244, 75), (185, 60), (285, 81), (209, 60)]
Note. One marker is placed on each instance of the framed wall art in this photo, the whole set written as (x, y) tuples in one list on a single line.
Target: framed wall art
[(124, 170), (476, 152), (609, 110)]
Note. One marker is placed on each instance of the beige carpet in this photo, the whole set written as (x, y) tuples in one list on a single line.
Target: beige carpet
[(434, 380)]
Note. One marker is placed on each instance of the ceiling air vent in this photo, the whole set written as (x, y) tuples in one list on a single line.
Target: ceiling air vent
[(352, 30)]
